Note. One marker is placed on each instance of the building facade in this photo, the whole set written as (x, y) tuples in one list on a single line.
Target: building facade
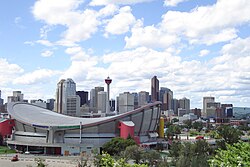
[(154, 89), (126, 102)]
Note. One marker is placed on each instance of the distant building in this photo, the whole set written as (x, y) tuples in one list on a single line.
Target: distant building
[(94, 98), (166, 97), (175, 105), (126, 102), (50, 104), (136, 100), (184, 103), (205, 101), (143, 98), (83, 97), (1, 100), (102, 98), (39, 103), (17, 97), (66, 99), (154, 89), (1, 103), (197, 112), (112, 104)]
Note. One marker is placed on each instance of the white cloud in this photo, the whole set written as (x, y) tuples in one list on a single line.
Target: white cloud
[(118, 2), (149, 36), (80, 24), (8, 71), (44, 42), (36, 77), (203, 25), (204, 52), (173, 2), (47, 53), (121, 22), (208, 20)]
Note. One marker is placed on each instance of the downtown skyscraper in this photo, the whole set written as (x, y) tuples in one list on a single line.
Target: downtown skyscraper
[(154, 89)]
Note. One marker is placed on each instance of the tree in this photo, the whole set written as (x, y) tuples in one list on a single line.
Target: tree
[(117, 145), (173, 130), (190, 154), (188, 123), (133, 152), (235, 155), (198, 126), (229, 135), (151, 157)]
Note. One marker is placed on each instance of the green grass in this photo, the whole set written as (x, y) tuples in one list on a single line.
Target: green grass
[(6, 150)]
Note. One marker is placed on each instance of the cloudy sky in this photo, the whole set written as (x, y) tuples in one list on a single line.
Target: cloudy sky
[(195, 48)]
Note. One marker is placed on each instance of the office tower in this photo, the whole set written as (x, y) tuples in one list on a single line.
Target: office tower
[(1, 100), (227, 110), (143, 98), (184, 103), (197, 112), (135, 99), (108, 82), (97, 89), (66, 98), (92, 98), (83, 97), (112, 104), (126, 102), (50, 104), (175, 106), (205, 101), (17, 96), (154, 89), (102, 101), (166, 97), (117, 104)]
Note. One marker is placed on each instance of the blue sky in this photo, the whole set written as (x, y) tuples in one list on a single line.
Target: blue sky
[(195, 48)]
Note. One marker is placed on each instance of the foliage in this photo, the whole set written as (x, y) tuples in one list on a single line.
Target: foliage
[(214, 134), (190, 154), (117, 145), (235, 155), (1, 140), (188, 123), (105, 160), (198, 126), (174, 120), (229, 135), (151, 157), (173, 130), (194, 133), (40, 162)]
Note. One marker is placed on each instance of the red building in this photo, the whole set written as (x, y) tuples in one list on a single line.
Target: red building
[(6, 126)]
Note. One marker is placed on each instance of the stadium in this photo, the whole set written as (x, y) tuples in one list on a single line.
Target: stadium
[(39, 130)]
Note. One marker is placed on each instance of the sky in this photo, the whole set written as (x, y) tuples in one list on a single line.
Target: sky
[(195, 48)]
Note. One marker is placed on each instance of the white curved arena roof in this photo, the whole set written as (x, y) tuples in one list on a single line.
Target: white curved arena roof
[(36, 116)]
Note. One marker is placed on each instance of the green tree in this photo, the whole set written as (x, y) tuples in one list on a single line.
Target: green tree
[(151, 157), (117, 145), (229, 134), (133, 152), (188, 123), (173, 130), (198, 126), (235, 155)]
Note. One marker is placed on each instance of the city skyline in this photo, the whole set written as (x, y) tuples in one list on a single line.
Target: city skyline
[(196, 49)]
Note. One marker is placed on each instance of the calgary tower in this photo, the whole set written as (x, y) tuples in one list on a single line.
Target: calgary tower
[(108, 82)]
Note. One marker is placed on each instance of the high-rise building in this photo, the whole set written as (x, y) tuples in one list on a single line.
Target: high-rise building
[(126, 102), (1, 100), (143, 98), (66, 98), (175, 105), (112, 104), (166, 97), (17, 96), (83, 97), (50, 104), (184, 103), (205, 101), (135, 94), (39, 103), (154, 89), (92, 98), (102, 101)]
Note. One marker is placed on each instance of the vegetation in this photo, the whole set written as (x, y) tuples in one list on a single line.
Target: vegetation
[(6, 150), (106, 160), (117, 145), (40, 162), (190, 154), (234, 155), (198, 126), (172, 131)]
